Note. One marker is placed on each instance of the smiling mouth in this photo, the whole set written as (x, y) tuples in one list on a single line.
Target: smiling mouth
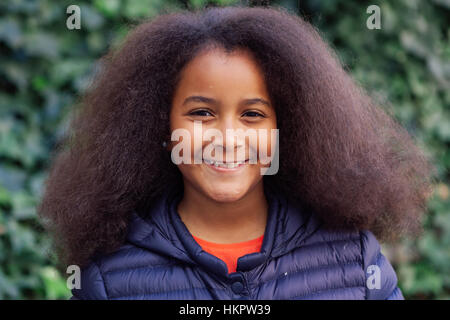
[(225, 165)]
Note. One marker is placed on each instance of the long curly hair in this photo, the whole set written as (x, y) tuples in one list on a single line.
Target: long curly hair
[(340, 154)]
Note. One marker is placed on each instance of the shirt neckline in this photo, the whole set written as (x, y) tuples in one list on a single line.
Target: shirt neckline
[(234, 245)]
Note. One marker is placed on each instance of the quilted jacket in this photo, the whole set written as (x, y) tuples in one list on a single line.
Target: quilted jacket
[(299, 259)]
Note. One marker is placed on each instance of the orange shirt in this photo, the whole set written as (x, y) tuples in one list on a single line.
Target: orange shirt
[(230, 252)]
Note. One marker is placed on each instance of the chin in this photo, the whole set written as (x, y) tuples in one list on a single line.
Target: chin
[(228, 194)]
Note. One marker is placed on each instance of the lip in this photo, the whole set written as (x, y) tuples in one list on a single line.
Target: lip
[(220, 169)]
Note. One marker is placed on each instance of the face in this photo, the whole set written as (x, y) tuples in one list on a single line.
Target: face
[(222, 91)]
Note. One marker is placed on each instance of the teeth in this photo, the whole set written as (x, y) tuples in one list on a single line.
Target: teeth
[(224, 165)]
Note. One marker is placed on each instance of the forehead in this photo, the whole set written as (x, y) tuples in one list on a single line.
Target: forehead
[(214, 71)]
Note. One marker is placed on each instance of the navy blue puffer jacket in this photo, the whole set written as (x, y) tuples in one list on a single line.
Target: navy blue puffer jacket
[(299, 259)]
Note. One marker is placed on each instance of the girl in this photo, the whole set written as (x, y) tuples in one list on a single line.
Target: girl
[(143, 225)]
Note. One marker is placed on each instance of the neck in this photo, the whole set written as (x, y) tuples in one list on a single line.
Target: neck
[(224, 222)]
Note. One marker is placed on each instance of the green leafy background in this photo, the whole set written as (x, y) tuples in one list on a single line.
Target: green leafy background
[(44, 68)]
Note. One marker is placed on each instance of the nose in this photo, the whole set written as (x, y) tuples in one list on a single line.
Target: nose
[(231, 139)]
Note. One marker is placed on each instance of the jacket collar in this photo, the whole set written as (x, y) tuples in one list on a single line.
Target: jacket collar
[(161, 230)]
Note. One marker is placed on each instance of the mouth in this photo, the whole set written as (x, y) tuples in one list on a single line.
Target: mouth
[(225, 166)]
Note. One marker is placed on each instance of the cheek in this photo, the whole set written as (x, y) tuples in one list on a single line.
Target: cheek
[(195, 143), (181, 129), (267, 141)]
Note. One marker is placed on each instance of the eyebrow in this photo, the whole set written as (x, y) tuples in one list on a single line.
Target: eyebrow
[(246, 102)]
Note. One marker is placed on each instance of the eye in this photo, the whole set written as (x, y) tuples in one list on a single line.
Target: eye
[(201, 113), (253, 114)]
